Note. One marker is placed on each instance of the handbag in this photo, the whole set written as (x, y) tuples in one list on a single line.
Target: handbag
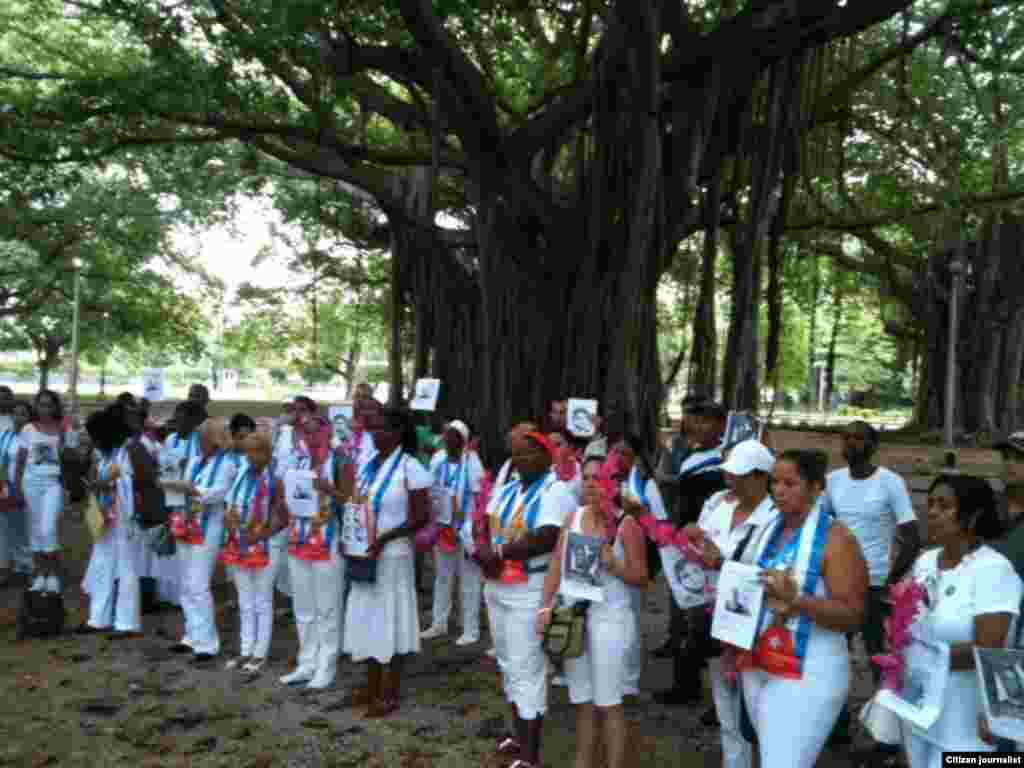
[(565, 635), (883, 724), (361, 570)]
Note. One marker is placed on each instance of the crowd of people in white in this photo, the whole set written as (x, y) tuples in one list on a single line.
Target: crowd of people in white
[(337, 523)]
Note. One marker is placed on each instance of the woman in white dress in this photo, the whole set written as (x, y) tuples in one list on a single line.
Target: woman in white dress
[(457, 475), (729, 528), (255, 517), (16, 554), (525, 517), (117, 555), (208, 478), (974, 594), (179, 449), (816, 583), (40, 483), (381, 617), (598, 680)]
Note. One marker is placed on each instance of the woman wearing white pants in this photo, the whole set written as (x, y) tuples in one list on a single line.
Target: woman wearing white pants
[(178, 450), (255, 520), (317, 579), (524, 517), (14, 516), (816, 582), (457, 475), (729, 528), (208, 479), (116, 556), (599, 679)]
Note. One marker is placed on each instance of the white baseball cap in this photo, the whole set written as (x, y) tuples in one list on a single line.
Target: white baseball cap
[(460, 427), (747, 457)]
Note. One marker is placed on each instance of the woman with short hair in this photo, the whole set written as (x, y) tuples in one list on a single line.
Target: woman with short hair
[(40, 483), (457, 474), (254, 518), (382, 616), (816, 581), (974, 596), (208, 478)]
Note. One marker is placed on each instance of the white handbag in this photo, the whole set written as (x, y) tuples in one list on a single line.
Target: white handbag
[(883, 724)]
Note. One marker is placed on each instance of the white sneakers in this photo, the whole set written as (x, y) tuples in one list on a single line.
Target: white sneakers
[(492, 653), (434, 631), (254, 667), (45, 584), (238, 661), (298, 676), (322, 681), (467, 640)]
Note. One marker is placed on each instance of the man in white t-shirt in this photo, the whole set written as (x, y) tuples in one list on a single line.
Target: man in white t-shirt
[(874, 504)]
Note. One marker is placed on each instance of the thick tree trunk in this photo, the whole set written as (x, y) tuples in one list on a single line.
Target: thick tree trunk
[(833, 343), (398, 246), (703, 360), (991, 328)]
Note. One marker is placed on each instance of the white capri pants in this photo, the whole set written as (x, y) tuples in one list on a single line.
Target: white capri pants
[(524, 667), (45, 499), (793, 718), (256, 600), (470, 589), (601, 675), (197, 564), (737, 752), (316, 601)]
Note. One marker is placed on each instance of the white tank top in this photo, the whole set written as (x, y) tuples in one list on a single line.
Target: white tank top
[(616, 603)]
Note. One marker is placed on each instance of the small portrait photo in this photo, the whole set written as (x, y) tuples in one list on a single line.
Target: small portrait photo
[(1002, 671), (736, 604), (425, 395), (690, 576), (44, 453), (583, 558)]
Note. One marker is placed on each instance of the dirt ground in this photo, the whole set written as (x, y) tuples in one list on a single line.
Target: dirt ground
[(92, 702)]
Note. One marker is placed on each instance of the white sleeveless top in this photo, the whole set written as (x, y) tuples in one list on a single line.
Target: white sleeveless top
[(616, 605)]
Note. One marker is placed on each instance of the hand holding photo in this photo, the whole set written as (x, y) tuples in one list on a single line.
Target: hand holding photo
[(738, 605), (581, 568), (1001, 681), (302, 497)]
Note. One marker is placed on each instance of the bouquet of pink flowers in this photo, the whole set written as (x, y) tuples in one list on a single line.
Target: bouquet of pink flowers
[(481, 525), (908, 598)]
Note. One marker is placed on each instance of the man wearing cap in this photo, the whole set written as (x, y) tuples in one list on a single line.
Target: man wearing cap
[(874, 504), (525, 517), (458, 475), (729, 528), (700, 478)]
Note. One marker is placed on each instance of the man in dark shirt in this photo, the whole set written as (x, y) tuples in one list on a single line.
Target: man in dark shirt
[(700, 477)]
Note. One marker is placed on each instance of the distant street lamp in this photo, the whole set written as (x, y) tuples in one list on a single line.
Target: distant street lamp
[(75, 333)]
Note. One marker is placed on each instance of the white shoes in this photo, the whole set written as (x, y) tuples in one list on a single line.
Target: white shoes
[(238, 661), (492, 653), (321, 681), (254, 667), (52, 585), (298, 676), (38, 584), (434, 631), (559, 681), (468, 640)]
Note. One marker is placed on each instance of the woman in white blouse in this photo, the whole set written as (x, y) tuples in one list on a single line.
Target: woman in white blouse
[(729, 528), (14, 521), (457, 475), (382, 616), (598, 680), (40, 483), (974, 594), (208, 478)]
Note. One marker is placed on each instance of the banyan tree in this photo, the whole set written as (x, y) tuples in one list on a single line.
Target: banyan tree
[(578, 142)]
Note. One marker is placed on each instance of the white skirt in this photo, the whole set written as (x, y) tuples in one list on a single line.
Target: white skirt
[(382, 619), (45, 498)]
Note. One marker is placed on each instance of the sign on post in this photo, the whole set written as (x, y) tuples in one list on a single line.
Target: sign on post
[(153, 384)]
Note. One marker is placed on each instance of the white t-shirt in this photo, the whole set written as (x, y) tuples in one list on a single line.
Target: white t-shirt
[(872, 508), (557, 502), (716, 522), (410, 475), (461, 480), (43, 452), (984, 582)]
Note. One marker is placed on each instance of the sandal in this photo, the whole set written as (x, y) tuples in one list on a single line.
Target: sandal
[(509, 746), (522, 764)]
